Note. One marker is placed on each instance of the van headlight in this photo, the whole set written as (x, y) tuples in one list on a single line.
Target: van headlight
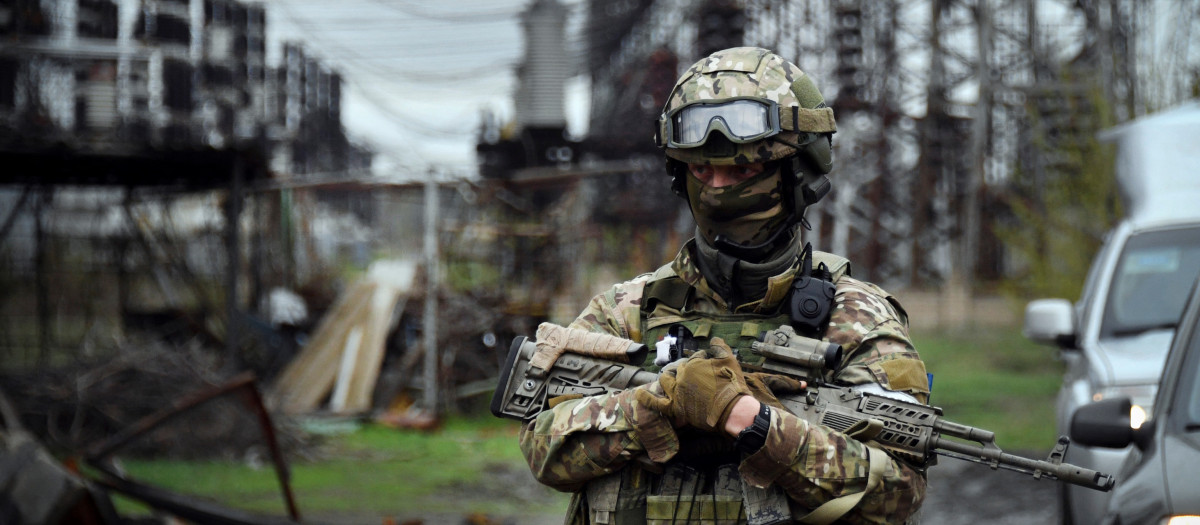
[(1180, 520), (1137, 416)]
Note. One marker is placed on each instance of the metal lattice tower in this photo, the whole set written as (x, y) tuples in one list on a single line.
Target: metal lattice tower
[(934, 101)]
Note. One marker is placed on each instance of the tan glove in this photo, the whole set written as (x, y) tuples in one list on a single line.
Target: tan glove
[(766, 387), (701, 391)]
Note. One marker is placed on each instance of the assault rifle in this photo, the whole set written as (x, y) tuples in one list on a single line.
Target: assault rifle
[(568, 362)]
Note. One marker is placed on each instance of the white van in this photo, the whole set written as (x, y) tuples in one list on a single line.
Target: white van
[(1114, 339)]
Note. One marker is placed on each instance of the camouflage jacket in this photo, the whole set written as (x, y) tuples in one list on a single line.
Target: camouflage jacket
[(582, 440)]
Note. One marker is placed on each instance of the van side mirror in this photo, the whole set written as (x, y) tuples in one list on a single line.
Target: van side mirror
[(1050, 321), (1106, 424)]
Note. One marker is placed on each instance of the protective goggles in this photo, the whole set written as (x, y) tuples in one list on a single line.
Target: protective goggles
[(741, 120)]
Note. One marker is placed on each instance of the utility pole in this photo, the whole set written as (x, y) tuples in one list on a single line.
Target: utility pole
[(930, 166), (980, 129), (430, 324), (233, 262)]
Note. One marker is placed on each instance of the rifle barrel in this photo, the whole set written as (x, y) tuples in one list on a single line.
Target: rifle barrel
[(995, 458)]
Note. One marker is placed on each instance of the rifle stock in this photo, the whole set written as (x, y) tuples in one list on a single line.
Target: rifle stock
[(525, 390), (912, 430)]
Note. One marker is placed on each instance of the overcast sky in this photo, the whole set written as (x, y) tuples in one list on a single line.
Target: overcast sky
[(418, 73)]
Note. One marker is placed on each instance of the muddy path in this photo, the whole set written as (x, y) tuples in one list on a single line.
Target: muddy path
[(960, 492)]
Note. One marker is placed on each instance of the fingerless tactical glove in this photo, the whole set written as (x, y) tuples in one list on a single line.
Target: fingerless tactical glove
[(766, 387)]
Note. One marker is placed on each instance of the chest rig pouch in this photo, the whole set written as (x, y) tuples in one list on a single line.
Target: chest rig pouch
[(683, 494), (667, 302), (666, 305)]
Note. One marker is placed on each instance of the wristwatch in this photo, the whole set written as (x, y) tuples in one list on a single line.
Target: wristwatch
[(753, 437)]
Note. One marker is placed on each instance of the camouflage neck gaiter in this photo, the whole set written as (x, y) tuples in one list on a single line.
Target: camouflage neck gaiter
[(746, 213), (739, 281)]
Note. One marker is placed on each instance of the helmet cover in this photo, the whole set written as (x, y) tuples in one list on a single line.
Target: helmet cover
[(751, 72)]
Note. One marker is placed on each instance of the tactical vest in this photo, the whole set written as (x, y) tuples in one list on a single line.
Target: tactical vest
[(667, 301), (702, 485)]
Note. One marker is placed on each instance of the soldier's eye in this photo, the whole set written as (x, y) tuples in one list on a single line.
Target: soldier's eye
[(746, 171)]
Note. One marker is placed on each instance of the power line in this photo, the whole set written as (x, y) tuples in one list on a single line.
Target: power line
[(404, 7), (437, 55), (400, 57), (405, 123)]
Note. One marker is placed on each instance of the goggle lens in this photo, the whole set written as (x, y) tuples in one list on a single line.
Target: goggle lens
[(740, 120)]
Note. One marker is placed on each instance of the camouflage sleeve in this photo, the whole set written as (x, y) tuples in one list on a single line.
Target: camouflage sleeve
[(582, 439), (873, 331), (814, 464), (616, 311)]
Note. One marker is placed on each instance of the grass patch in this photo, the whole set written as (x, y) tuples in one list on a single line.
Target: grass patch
[(993, 379), (997, 380), (468, 466)]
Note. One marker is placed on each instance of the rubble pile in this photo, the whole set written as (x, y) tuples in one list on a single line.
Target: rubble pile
[(73, 407), (474, 333)]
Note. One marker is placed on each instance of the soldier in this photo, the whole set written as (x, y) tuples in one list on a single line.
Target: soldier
[(747, 138)]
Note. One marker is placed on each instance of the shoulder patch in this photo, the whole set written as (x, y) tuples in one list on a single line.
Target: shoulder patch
[(901, 373), (838, 266)]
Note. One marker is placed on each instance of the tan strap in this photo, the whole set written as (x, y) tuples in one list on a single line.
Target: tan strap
[(836, 264), (819, 120), (835, 508)]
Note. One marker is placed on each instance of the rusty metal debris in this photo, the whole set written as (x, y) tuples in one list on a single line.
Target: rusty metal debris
[(36, 488)]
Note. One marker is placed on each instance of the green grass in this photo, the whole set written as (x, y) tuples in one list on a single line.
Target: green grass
[(997, 380), (376, 471), (992, 379)]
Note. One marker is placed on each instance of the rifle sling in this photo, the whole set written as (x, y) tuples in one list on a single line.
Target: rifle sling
[(835, 508)]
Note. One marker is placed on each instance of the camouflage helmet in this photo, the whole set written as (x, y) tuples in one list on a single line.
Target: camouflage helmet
[(795, 122)]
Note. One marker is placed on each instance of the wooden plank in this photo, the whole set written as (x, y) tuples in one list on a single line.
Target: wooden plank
[(310, 376), (394, 281), (341, 389)]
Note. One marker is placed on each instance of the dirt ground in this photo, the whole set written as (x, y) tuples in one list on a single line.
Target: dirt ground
[(960, 492)]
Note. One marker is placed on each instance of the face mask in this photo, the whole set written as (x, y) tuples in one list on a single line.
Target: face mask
[(746, 213)]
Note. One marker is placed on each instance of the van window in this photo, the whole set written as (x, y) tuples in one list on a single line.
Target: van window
[(1185, 400), (1152, 280)]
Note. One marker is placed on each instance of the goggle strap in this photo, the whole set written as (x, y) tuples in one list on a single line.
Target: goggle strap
[(818, 120)]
